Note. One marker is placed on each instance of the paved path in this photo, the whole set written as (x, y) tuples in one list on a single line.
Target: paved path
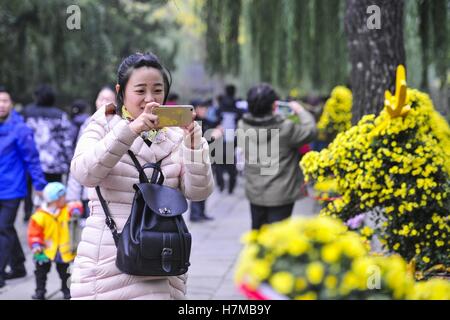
[(215, 249)]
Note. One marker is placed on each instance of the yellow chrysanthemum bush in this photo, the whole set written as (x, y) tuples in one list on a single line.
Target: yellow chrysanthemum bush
[(433, 289), (396, 167), (326, 190), (318, 258), (337, 113)]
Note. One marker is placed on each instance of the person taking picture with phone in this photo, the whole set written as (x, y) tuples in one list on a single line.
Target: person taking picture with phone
[(101, 159), (272, 196)]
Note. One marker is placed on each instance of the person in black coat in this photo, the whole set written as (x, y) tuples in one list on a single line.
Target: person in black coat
[(229, 115), (197, 208)]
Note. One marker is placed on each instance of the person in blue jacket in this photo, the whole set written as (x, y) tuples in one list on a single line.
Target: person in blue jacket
[(18, 156)]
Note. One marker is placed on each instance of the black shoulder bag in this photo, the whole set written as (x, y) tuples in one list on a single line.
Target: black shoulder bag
[(155, 240)]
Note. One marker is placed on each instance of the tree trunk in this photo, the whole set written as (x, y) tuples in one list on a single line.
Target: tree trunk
[(424, 21), (374, 53)]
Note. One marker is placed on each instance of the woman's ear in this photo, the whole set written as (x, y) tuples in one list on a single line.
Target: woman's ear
[(117, 88)]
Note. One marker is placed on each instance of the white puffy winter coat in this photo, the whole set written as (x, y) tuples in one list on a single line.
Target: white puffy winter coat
[(101, 159)]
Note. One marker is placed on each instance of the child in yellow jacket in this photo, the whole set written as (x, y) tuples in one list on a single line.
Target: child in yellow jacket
[(49, 237)]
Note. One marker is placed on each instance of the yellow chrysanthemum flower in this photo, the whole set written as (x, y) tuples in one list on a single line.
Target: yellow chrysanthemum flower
[(283, 282)]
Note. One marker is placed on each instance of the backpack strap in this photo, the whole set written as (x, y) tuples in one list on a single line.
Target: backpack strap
[(108, 220), (142, 178), (157, 172), (155, 166), (184, 245), (156, 169)]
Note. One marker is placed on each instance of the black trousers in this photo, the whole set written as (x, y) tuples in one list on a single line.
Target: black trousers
[(223, 165), (264, 215), (86, 210), (28, 200), (11, 252), (229, 169), (197, 209), (42, 269)]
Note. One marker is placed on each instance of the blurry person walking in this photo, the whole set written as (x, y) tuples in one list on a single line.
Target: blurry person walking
[(53, 133), (18, 156), (229, 116), (198, 208), (75, 191), (272, 194)]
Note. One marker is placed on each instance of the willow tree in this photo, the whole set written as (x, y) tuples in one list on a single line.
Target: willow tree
[(37, 46), (294, 43), (222, 18), (433, 31), (313, 43)]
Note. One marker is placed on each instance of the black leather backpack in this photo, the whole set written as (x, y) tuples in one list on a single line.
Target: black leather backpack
[(155, 240)]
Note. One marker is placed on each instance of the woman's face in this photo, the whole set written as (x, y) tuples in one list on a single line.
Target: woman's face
[(105, 96), (145, 85)]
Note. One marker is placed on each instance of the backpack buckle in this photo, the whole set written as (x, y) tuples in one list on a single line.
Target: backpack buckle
[(166, 261), (165, 211)]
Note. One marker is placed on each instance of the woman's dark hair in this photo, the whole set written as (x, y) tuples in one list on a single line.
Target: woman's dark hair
[(44, 95), (135, 61), (260, 99)]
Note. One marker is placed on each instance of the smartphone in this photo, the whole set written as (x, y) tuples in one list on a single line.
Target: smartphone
[(284, 108), (174, 116)]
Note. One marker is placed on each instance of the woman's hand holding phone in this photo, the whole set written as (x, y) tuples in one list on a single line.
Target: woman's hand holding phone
[(146, 120), (193, 133)]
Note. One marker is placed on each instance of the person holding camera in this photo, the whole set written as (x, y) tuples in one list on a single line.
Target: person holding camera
[(272, 183), (101, 160)]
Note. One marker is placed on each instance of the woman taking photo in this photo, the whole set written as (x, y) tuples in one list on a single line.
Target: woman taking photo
[(101, 159)]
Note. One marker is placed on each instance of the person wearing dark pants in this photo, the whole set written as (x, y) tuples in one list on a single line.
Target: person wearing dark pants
[(229, 169), (197, 211), (225, 163), (229, 115), (272, 183), (11, 252), (42, 269), (18, 157), (28, 200), (49, 237), (197, 208), (264, 215), (53, 133)]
